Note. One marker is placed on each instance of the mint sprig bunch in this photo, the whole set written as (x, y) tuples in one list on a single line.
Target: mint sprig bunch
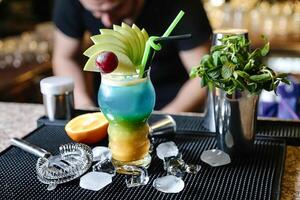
[(233, 67)]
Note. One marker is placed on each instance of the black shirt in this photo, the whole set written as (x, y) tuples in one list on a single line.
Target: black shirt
[(167, 71)]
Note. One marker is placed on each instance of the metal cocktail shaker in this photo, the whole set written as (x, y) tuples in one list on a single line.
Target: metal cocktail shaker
[(220, 33), (232, 118), (209, 119), (58, 97)]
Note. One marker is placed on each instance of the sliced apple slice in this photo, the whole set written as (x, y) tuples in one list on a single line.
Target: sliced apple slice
[(119, 36), (126, 35), (145, 34), (131, 40), (142, 42), (137, 50), (100, 39), (125, 66), (97, 48)]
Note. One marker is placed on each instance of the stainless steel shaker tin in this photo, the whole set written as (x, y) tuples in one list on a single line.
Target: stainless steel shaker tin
[(232, 119), (58, 97), (220, 33), (235, 120)]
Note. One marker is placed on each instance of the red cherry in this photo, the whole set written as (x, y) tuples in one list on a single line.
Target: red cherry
[(107, 61)]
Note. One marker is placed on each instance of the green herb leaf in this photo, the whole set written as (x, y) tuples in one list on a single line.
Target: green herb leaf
[(224, 60), (207, 61), (226, 71), (243, 74), (252, 87), (256, 53), (249, 65), (238, 84), (286, 81), (261, 77), (214, 73), (235, 75), (265, 50), (216, 57), (232, 67), (194, 72), (283, 75), (204, 59), (217, 48)]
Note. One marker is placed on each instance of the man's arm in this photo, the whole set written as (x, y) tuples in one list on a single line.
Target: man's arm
[(191, 96), (66, 52)]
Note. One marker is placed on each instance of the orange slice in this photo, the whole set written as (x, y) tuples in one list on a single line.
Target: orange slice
[(87, 128)]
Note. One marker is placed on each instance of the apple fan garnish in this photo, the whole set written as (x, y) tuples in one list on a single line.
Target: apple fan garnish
[(125, 42)]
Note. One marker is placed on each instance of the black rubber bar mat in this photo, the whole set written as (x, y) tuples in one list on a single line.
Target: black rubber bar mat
[(255, 177), (269, 129), (287, 130), (266, 128), (276, 129)]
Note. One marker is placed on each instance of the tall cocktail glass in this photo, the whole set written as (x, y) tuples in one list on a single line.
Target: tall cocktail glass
[(127, 102)]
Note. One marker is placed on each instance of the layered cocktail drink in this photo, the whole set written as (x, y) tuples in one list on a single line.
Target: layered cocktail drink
[(126, 95), (127, 102)]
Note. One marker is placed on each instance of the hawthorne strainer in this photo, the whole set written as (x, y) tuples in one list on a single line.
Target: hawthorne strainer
[(73, 161)]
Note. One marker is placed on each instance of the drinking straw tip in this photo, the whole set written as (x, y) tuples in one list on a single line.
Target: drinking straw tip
[(173, 24), (147, 53)]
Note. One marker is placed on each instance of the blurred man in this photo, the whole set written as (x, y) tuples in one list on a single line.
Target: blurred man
[(169, 72)]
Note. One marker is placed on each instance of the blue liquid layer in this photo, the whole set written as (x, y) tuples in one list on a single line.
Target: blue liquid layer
[(127, 104)]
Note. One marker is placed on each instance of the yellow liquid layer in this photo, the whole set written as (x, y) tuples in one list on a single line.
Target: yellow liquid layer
[(128, 143)]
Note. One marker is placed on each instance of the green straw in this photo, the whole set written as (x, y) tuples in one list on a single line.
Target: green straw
[(151, 44), (173, 24)]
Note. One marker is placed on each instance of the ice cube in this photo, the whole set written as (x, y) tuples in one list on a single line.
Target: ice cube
[(166, 149), (95, 180), (105, 166), (136, 176), (192, 169), (175, 165), (215, 157), (101, 153), (51, 186), (168, 184)]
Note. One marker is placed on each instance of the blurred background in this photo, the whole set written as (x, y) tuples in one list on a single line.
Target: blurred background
[(26, 40)]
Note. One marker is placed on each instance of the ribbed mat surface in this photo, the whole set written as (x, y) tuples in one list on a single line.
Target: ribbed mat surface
[(288, 130), (189, 123), (256, 177)]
